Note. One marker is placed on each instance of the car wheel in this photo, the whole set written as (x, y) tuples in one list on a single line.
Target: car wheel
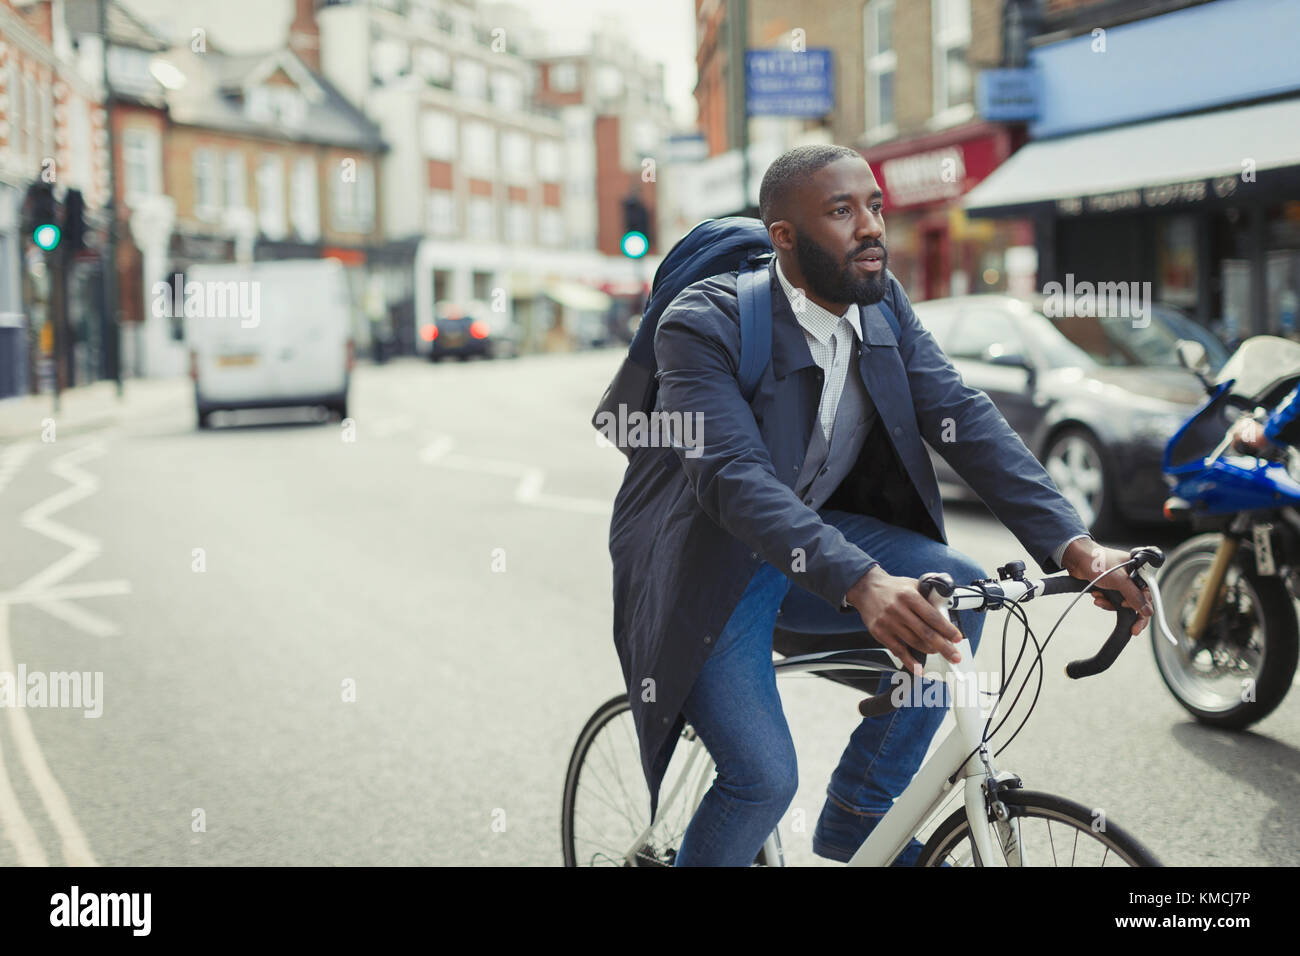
[(1075, 462)]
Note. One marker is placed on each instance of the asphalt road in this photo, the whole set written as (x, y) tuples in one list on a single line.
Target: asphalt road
[(323, 646)]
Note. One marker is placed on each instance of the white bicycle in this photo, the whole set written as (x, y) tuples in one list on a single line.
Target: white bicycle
[(604, 820)]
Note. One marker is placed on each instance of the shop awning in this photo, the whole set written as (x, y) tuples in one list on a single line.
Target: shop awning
[(1145, 165), (577, 296)]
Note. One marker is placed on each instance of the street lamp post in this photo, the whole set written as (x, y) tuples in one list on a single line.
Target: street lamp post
[(110, 207)]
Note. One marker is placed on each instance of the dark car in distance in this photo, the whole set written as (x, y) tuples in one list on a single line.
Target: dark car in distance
[(1095, 398), (472, 329)]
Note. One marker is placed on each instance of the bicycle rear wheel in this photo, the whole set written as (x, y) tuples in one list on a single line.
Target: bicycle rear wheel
[(1043, 830), (605, 818)]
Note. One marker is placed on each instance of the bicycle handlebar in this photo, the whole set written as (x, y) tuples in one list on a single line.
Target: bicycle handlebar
[(989, 595)]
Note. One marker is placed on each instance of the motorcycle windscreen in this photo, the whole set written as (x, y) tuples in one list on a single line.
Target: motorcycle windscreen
[(1205, 431), (1265, 368)]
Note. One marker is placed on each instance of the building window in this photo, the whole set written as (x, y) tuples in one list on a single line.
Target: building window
[(482, 218), (439, 135), (470, 79), (442, 212), (141, 163), (551, 227), (516, 156), (550, 167), (507, 90), (951, 57), (563, 77), (236, 181), (434, 66), (354, 200), (207, 187), (519, 224), (270, 197), (881, 67), (304, 206), (480, 154)]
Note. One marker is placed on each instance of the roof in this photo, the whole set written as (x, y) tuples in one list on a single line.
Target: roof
[(216, 84), (124, 28), (1174, 157)]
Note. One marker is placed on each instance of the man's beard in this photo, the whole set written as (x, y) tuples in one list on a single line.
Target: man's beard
[(835, 281)]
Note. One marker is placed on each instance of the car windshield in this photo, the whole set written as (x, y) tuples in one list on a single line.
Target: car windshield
[(1119, 340)]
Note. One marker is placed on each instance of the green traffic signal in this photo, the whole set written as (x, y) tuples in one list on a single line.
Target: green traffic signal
[(634, 244), (46, 236)]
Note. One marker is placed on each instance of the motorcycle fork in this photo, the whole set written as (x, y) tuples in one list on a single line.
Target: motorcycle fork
[(1211, 596)]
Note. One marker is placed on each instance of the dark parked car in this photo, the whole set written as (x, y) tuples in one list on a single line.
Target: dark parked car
[(1096, 399), (471, 329)]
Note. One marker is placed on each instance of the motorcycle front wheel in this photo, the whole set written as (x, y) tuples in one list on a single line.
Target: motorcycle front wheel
[(1242, 666)]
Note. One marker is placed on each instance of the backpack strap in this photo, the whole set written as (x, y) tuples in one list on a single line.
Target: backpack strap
[(889, 317), (754, 292)]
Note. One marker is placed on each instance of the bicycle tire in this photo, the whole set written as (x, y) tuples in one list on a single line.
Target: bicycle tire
[(1033, 805), (658, 852)]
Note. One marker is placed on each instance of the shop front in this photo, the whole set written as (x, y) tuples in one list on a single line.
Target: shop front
[(935, 249), (1205, 208)]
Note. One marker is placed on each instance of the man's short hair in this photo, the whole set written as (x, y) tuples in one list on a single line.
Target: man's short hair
[(789, 170)]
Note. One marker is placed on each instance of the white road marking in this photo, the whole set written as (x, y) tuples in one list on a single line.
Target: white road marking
[(13, 822), (76, 851), (528, 490), (12, 458), (40, 589), (390, 426), (46, 591)]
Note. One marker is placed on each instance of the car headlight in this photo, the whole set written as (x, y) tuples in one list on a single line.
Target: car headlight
[(1157, 427)]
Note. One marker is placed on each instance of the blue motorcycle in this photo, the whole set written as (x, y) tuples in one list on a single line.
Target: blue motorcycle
[(1228, 592)]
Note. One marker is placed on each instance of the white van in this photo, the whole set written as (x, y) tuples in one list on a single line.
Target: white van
[(269, 335)]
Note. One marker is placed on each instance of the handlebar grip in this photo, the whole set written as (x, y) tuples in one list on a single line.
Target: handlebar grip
[(1063, 584), (1125, 618)]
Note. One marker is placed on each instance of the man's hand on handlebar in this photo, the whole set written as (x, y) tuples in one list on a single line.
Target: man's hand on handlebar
[(1248, 438), (897, 616), (1085, 559)]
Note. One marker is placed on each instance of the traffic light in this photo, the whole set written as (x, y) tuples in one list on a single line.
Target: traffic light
[(636, 228), (40, 216), (74, 220)]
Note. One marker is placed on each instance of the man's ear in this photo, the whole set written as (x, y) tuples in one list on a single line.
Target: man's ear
[(781, 232)]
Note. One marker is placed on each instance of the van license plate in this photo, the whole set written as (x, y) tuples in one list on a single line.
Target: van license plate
[(250, 359)]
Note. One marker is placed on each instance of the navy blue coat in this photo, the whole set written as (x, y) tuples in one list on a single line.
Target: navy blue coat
[(687, 533)]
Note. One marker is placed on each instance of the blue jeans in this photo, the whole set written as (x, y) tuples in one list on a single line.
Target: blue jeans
[(736, 710)]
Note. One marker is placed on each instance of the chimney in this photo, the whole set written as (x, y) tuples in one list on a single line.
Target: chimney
[(304, 34)]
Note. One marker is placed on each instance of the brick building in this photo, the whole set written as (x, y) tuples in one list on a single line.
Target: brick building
[(904, 95), (51, 128)]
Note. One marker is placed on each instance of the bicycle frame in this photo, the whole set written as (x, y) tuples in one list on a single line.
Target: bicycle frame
[(932, 783), (962, 755)]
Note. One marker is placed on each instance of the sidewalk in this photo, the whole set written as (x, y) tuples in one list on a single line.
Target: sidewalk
[(89, 407)]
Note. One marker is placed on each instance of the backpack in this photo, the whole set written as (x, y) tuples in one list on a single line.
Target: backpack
[(737, 244)]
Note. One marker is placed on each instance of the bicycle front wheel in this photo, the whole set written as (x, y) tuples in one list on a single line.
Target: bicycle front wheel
[(1043, 830)]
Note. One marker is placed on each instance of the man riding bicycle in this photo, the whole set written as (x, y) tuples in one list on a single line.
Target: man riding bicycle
[(820, 481)]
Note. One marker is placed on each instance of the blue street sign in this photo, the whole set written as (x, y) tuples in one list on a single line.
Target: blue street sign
[(1007, 95), (786, 83)]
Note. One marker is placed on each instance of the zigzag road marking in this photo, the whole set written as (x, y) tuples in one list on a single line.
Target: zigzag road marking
[(528, 490)]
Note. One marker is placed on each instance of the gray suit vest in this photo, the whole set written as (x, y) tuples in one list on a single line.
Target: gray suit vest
[(825, 464)]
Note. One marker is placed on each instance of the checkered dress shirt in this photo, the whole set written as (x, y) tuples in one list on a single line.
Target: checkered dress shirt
[(828, 337)]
